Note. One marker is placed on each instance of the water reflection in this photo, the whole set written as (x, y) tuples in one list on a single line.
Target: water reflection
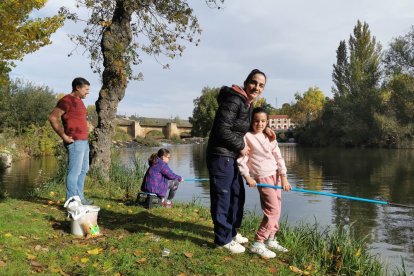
[(19, 180)]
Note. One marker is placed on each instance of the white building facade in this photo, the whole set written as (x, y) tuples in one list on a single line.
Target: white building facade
[(280, 122)]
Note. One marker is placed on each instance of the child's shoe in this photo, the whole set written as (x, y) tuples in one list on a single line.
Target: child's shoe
[(240, 239), (272, 243), (167, 203), (260, 248), (234, 247)]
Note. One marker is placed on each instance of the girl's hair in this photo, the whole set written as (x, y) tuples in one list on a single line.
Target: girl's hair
[(251, 75), (258, 110), (153, 158)]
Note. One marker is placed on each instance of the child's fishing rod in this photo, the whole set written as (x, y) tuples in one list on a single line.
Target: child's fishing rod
[(196, 179), (320, 193), (337, 195)]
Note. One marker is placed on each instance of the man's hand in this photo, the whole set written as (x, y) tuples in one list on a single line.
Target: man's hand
[(67, 139)]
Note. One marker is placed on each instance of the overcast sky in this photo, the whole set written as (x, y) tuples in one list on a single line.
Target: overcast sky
[(294, 42)]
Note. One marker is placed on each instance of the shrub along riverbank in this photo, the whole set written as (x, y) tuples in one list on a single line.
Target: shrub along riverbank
[(35, 237)]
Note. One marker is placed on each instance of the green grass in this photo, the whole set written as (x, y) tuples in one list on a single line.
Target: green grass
[(35, 238)]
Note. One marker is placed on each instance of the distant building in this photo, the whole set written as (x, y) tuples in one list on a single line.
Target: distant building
[(280, 122)]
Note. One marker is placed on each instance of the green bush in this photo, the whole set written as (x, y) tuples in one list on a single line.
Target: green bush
[(39, 140), (148, 142), (154, 134), (121, 135)]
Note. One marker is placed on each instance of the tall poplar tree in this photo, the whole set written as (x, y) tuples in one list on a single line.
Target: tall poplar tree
[(357, 80)]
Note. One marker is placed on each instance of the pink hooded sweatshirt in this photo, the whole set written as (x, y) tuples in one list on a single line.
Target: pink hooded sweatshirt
[(264, 157)]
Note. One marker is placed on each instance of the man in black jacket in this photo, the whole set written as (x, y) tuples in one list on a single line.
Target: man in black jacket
[(225, 144)]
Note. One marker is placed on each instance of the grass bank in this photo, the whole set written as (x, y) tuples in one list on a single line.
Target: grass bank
[(35, 238)]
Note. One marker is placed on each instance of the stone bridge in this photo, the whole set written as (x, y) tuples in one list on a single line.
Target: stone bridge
[(167, 128)]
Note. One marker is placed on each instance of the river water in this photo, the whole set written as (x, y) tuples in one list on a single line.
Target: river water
[(379, 174)]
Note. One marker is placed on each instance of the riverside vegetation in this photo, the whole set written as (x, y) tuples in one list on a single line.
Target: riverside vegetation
[(35, 238)]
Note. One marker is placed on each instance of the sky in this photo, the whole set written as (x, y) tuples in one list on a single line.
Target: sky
[(294, 42)]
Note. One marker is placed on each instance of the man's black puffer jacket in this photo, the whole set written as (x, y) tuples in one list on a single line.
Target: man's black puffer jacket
[(231, 123)]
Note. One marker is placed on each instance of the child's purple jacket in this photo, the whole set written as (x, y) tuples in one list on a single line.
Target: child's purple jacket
[(156, 178)]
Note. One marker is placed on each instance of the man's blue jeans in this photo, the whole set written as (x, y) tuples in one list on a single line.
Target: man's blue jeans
[(78, 166)]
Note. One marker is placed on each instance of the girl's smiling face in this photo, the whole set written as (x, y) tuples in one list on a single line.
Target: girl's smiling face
[(259, 122)]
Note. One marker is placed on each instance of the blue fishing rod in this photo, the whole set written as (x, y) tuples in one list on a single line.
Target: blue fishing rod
[(321, 193)]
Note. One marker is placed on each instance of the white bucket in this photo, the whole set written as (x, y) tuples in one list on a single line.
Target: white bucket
[(90, 218)]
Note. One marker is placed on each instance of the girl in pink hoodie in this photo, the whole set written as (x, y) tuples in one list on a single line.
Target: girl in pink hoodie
[(265, 164)]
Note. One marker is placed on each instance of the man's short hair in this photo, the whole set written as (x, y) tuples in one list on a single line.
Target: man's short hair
[(79, 82)]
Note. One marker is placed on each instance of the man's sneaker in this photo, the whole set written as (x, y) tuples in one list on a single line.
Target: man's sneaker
[(234, 247), (272, 243), (260, 248), (240, 239), (167, 203), (87, 201)]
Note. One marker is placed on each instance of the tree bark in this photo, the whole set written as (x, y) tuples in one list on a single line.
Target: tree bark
[(115, 41)]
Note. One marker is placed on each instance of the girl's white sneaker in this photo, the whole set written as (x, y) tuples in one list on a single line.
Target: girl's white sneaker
[(260, 248), (272, 243)]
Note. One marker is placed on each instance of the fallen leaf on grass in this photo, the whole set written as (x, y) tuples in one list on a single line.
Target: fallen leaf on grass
[(95, 251), (142, 260), (58, 270), (84, 260), (137, 253), (23, 237), (30, 256), (188, 254), (2, 264), (36, 264), (8, 235), (228, 258), (295, 269), (38, 248), (273, 270)]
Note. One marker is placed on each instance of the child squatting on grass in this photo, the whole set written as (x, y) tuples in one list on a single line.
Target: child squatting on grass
[(266, 165), (159, 177)]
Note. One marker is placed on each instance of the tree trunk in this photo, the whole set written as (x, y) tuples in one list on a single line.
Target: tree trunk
[(115, 41)]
